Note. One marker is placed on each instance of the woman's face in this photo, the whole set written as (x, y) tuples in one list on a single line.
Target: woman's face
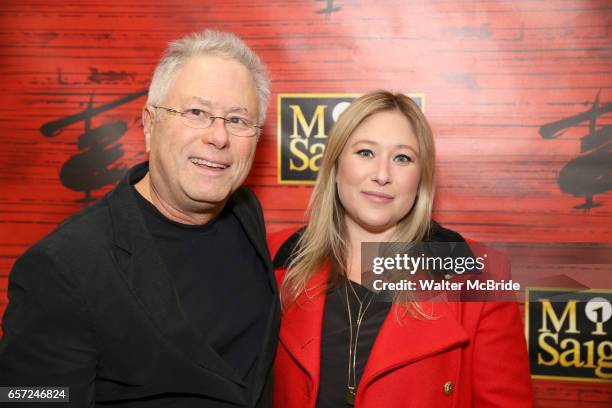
[(378, 172)]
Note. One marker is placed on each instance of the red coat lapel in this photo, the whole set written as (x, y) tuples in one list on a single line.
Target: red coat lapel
[(301, 326), (398, 342), (404, 338)]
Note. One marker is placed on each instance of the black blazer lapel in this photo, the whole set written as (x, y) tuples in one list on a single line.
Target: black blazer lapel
[(147, 278), (244, 205), (246, 208)]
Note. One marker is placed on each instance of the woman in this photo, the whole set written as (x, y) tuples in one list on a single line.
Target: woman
[(338, 345)]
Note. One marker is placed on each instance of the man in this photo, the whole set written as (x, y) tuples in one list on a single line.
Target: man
[(162, 293)]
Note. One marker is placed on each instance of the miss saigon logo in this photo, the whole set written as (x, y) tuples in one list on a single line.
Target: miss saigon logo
[(304, 121), (568, 334)]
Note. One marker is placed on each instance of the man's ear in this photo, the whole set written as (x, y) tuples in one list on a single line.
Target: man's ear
[(148, 121)]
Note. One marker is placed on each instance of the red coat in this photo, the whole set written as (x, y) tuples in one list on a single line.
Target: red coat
[(473, 355)]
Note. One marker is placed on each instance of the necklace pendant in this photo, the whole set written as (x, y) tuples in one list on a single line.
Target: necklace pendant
[(350, 396)]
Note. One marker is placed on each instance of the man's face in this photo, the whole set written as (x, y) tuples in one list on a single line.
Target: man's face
[(195, 170)]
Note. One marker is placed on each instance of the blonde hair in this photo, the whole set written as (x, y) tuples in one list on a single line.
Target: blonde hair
[(323, 239)]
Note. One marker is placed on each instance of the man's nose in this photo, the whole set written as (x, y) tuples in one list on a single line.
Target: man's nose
[(217, 134)]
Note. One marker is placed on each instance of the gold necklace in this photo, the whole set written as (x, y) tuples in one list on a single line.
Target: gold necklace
[(351, 382)]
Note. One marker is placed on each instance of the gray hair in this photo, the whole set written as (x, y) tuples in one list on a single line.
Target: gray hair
[(209, 42)]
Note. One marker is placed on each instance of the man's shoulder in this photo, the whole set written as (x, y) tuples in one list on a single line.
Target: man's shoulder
[(86, 231), (244, 202), (246, 196)]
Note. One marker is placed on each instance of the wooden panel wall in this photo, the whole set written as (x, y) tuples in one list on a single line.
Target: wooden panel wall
[(492, 72)]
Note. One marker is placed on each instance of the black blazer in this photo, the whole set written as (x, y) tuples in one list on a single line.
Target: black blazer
[(92, 307)]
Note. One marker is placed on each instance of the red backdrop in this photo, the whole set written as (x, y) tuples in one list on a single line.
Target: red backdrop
[(492, 73)]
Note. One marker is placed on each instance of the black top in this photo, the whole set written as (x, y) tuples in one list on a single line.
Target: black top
[(210, 264), (335, 340)]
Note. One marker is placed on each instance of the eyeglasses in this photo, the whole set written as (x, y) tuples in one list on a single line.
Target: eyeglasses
[(200, 119)]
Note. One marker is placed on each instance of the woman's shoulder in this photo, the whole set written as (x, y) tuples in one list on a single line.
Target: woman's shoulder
[(438, 233), (282, 244)]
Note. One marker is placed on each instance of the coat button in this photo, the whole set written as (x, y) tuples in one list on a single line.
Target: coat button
[(448, 388)]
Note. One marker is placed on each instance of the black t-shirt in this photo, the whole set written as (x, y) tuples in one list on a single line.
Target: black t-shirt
[(335, 340), (220, 280)]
